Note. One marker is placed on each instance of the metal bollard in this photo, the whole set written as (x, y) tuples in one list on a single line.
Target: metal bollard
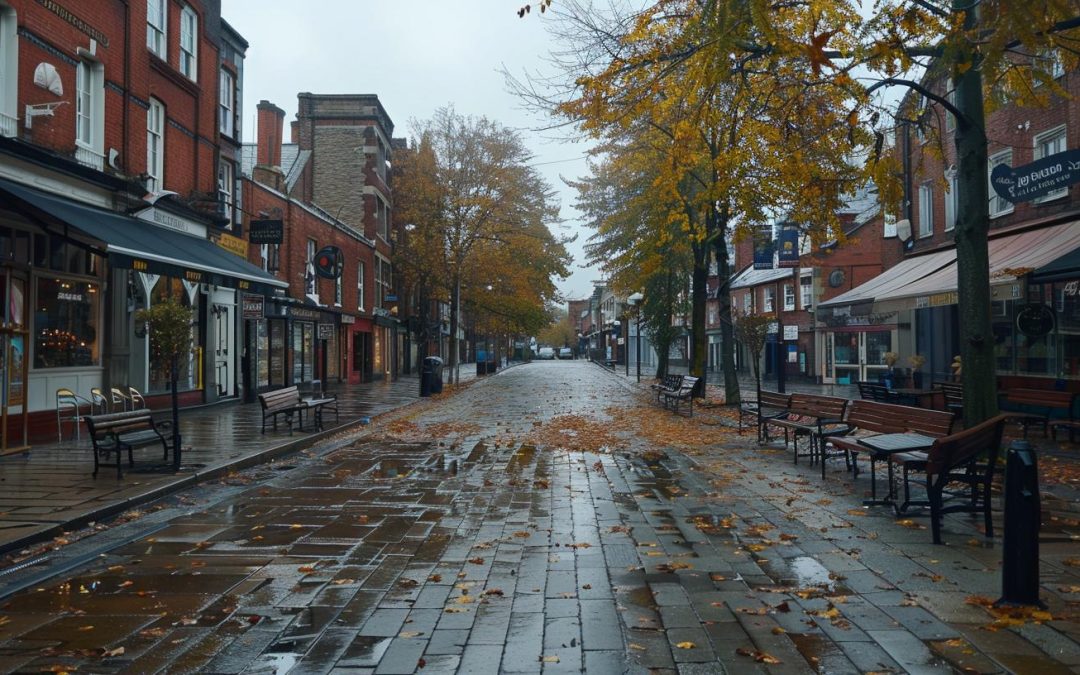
[(1020, 569)]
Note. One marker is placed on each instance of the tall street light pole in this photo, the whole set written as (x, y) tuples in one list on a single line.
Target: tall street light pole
[(635, 301)]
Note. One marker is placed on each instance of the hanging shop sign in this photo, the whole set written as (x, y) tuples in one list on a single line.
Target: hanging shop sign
[(234, 245), (1038, 179), (787, 251), (763, 249), (253, 306), (329, 262), (266, 231), (1035, 320)]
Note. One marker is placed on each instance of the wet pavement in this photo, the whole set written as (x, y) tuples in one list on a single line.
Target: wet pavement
[(549, 518)]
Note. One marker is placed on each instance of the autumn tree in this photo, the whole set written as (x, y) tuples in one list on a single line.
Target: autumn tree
[(558, 334), (752, 331), (474, 199), (168, 324)]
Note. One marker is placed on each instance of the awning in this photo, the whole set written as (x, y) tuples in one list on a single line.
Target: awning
[(1011, 257), (901, 275), (137, 244), (1065, 268), (750, 277)]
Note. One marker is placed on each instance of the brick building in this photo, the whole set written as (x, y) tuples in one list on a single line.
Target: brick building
[(119, 125)]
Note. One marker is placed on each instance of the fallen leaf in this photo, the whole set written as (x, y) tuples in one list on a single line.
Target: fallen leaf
[(83, 629), (118, 651), (686, 645)]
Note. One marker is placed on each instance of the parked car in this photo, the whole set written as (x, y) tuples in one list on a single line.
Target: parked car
[(566, 353), (545, 353)]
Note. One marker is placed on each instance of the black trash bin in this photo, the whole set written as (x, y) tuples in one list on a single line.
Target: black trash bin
[(431, 376)]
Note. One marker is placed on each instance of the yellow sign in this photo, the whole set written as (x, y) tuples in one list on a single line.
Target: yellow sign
[(234, 245)]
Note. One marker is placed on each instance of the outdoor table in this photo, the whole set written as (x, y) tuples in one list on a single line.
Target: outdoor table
[(881, 447), (915, 395)]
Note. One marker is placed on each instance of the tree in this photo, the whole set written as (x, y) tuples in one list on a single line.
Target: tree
[(559, 334), (475, 199), (752, 330), (168, 324)]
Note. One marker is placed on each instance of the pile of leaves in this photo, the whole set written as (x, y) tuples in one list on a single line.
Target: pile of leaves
[(575, 433), (659, 427)]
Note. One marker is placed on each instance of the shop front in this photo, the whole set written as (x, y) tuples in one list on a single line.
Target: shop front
[(359, 359)]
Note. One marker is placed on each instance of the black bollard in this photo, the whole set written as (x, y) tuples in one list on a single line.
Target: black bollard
[(1020, 569)]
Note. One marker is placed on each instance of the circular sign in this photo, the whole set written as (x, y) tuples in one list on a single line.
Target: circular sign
[(1035, 320), (836, 278)]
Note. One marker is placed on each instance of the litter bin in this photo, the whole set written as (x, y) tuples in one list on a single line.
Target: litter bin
[(431, 376)]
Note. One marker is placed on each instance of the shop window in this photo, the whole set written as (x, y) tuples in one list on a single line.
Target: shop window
[(66, 323), (189, 40), (1046, 144), (999, 206), (9, 71), (170, 288), (262, 351), (156, 18)]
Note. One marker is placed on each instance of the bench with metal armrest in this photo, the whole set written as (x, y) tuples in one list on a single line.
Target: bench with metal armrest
[(685, 392), (117, 432)]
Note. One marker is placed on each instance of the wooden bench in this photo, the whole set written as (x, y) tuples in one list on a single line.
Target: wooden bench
[(770, 404), (808, 415), (116, 432), (287, 402), (968, 457), (668, 384), (685, 392), (867, 418), (953, 393), (1046, 402)]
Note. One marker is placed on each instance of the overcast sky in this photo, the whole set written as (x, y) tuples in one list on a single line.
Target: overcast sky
[(417, 56)]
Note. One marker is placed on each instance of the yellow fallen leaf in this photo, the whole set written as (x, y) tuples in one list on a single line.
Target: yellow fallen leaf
[(686, 645), (551, 659), (83, 629), (118, 651), (636, 646)]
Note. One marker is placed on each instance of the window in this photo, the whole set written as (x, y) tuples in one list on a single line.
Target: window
[(1048, 61), (361, 271), (156, 16), (999, 206), (1046, 144), (806, 286), (66, 327), (950, 96), (227, 104), (338, 290), (770, 298), (155, 145), (226, 188), (951, 200), (382, 217), (9, 72), (311, 284), (189, 40), (383, 280), (889, 225), (271, 257), (926, 210), (748, 303), (90, 114), (789, 297)]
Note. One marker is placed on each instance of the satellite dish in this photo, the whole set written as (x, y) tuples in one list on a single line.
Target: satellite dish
[(46, 77)]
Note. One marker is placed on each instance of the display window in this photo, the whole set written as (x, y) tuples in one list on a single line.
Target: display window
[(66, 323)]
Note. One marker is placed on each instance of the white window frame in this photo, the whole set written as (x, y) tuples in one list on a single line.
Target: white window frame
[(998, 205), (189, 43), (9, 71), (952, 202), (155, 145), (361, 271), (383, 280), (90, 113), (157, 27), (789, 297), (1056, 69), (338, 290), (227, 103), (926, 210), (227, 187), (888, 225), (1057, 138), (748, 302), (769, 299), (950, 96), (311, 282), (806, 291)]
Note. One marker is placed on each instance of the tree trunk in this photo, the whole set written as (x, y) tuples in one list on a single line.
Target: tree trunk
[(174, 382), (971, 234), (727, 335), (699, 341), (455, 317)]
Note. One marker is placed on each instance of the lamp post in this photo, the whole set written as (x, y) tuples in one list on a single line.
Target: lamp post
[(635, 302)]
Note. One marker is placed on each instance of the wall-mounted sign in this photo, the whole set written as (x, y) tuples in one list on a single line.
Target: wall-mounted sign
[(303, 313), (791, 332), (266, 231), (1038, 179), (253, 306), (329, 262), (234, 245), (326, 331), (1035, 320)]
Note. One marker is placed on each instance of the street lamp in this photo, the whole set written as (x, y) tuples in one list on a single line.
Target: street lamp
[(635, 302)]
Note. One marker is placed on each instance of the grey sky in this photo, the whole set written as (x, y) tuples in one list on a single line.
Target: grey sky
[(416, 55)]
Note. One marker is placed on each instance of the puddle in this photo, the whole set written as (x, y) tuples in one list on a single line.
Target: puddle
[(822, 654), (273, 664), (390, 468), (809, 572)]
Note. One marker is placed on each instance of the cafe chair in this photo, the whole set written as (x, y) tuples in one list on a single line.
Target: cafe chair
[(120, 399), (137, 400), (99, 403), (69, 407)]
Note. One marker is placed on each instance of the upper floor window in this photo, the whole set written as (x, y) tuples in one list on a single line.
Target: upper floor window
[(338, 290), (157, 12), (1046, 144), (90, 114), (189, 40), (950, 96), (382, 218), (748, 303), (806, 286), (889, 225), (227, 104), (999, 205), (926, 210), (9, 71), (227, 188), (383, 280), (155, 145), (789, 297), (1048, 61), (770, 299), (951, 200), (361, 272), (311, 284)]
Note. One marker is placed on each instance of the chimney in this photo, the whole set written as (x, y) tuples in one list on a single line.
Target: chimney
[(271, 120), (294, 131)]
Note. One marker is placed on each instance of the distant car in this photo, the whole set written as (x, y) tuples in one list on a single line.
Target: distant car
[(566, 353), (545, 353)]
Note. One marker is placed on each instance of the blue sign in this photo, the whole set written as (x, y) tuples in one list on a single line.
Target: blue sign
[(788, 247), (763, 249), (1038, 179)]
